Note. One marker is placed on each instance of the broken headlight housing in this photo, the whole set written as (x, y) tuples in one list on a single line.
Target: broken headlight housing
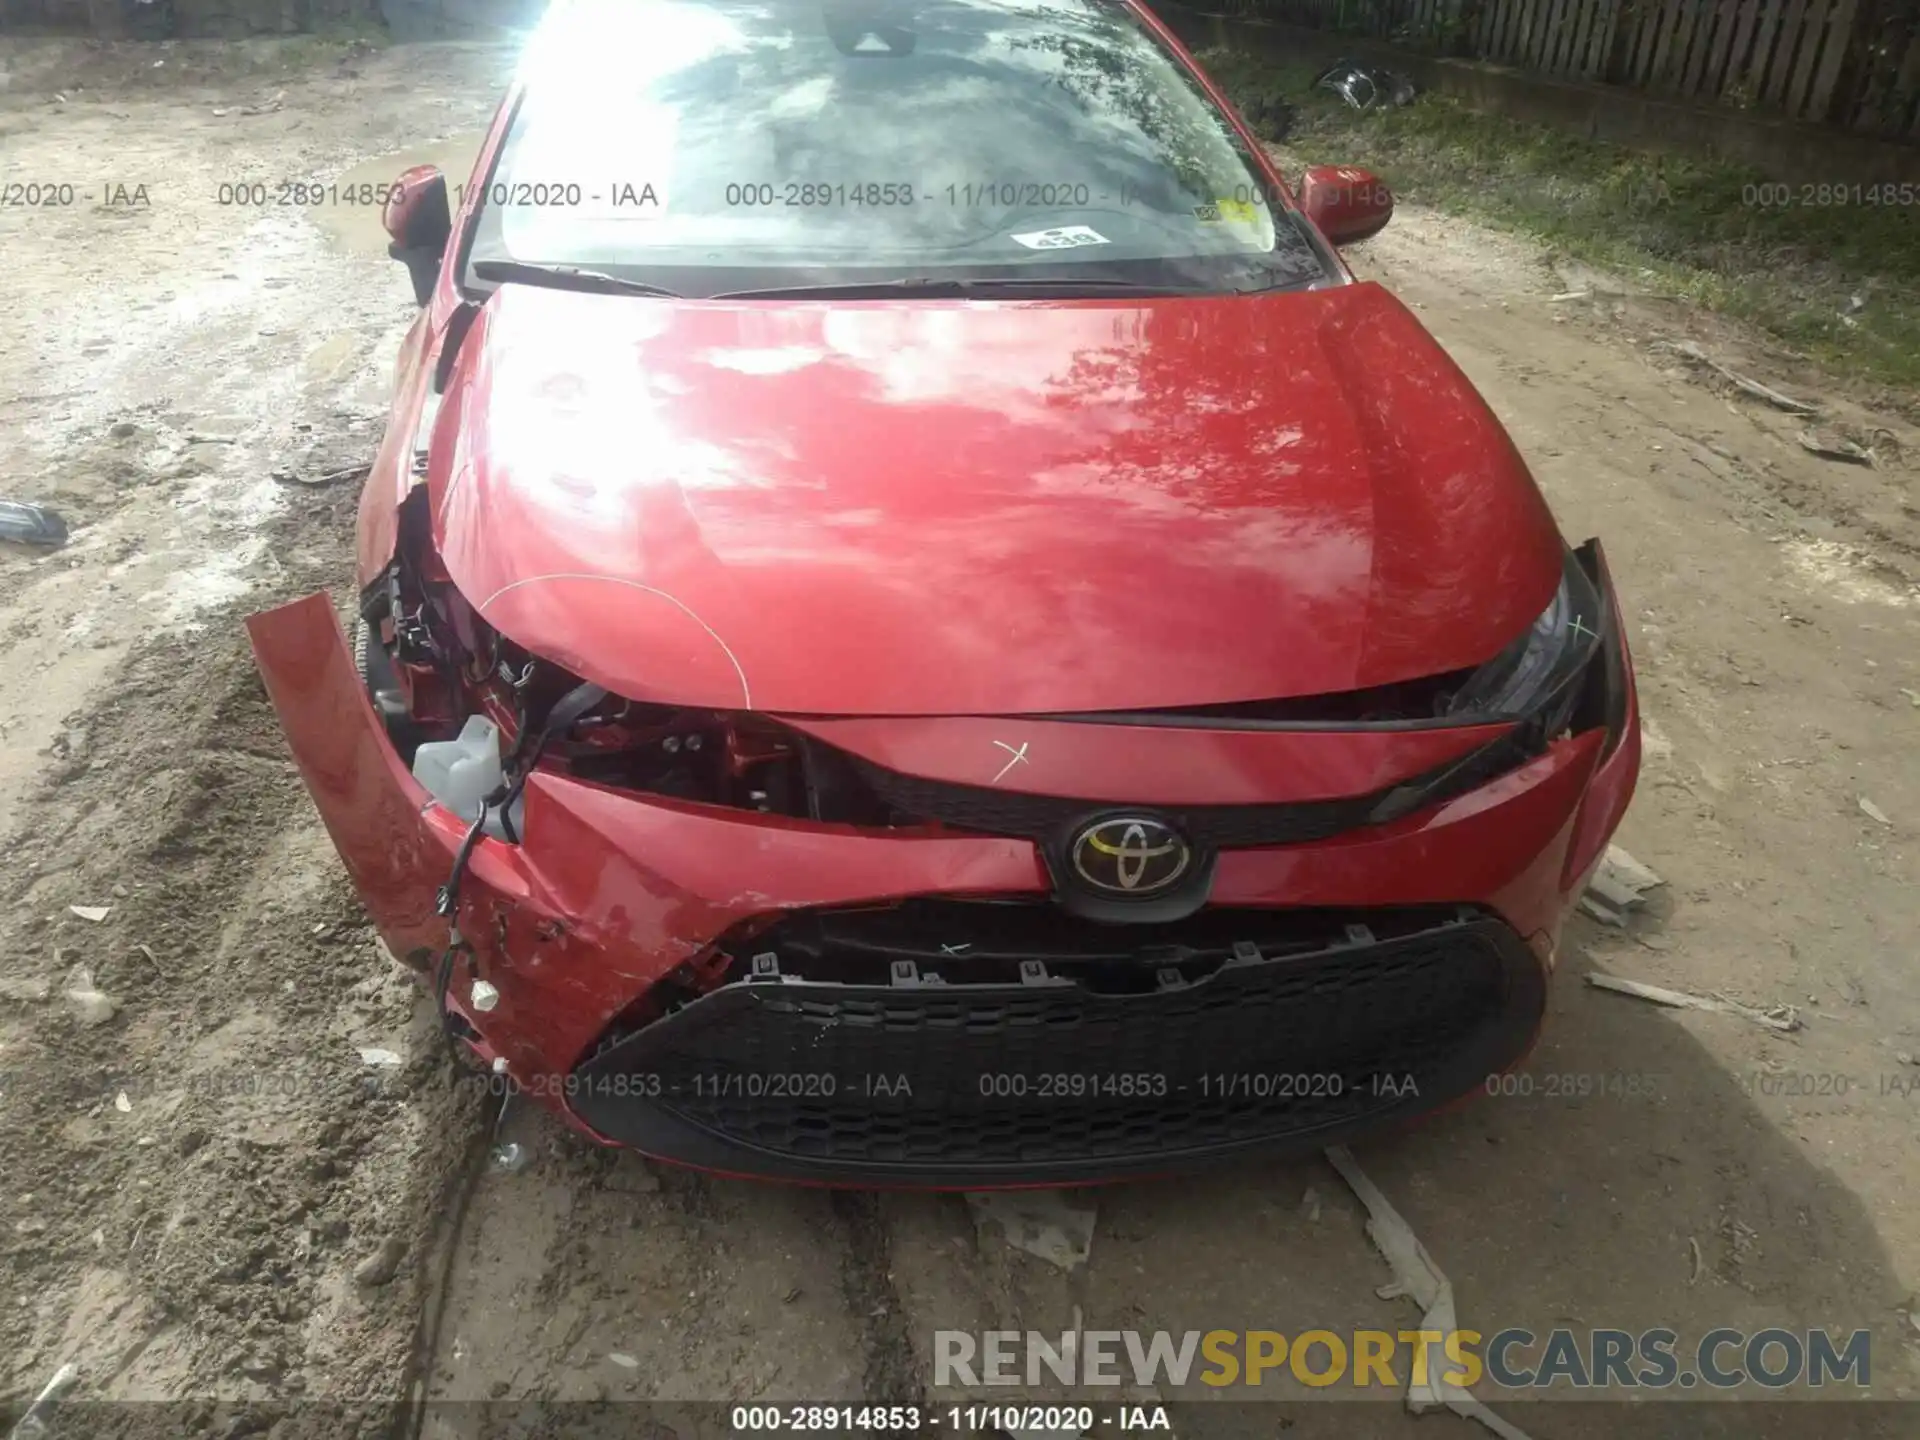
[(1537, 678)]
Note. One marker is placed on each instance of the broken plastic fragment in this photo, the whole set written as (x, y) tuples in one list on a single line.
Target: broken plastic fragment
[(1783, 1018), (90, 1006), (1040, 1222), (1418, 1278)]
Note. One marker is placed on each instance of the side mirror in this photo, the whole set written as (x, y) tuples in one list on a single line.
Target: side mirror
[(1348, 204), (418, 221)]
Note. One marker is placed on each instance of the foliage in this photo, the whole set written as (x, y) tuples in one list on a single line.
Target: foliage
[(1790, 258)]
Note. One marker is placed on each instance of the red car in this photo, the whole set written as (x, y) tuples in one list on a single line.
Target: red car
[(918, 627)]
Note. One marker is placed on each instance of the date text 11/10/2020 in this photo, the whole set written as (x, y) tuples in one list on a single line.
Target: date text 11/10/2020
[(1015, 1085)]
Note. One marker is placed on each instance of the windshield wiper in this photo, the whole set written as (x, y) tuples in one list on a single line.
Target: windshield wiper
[(564, 277), (932, 288)]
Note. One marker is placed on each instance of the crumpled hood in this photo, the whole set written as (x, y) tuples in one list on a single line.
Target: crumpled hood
[(951, 507)]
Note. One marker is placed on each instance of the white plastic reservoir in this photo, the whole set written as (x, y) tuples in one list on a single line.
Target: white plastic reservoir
[(461, 773)]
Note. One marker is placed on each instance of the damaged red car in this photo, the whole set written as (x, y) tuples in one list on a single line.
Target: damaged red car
[(917, 626)]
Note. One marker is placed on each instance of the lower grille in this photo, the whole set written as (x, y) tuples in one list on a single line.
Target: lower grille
[(1084, 1067)]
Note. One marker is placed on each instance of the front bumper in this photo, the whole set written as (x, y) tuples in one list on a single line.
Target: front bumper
[(1351, 980)]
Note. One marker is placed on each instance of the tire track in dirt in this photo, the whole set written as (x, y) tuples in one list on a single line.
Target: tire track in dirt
[(894, 1374), (591, 1275)]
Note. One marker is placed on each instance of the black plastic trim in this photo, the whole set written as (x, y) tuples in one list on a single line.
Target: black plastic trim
[(1604, 701), (458, 325)]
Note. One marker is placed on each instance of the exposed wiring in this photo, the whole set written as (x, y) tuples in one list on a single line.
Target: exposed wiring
[(564, 715)]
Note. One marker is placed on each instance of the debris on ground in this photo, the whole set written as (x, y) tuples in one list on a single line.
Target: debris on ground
[(1741, 1241), (30, 990), (1566, 295), (1783, 1018), (26, 524), (1310, 1205), (383, 1264), (630, 1175), (1873, 811), (1834, 447), (1041, 1222), (33, 1423), (511, 1158), (1699, 1264), (1419, 1279), (1366, 87), (325, 477), (374, 1055), (1618, 887), (88, 1003), (95, 913), (1690, 350)]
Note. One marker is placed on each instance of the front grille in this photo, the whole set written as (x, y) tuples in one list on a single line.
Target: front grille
[(1211, 827), (1072, 1062), (1005, 812)]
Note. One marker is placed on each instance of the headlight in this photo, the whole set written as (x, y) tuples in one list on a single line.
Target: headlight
[(1538, 675)]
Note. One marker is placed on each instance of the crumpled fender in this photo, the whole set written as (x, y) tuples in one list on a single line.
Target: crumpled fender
[(376, 813)]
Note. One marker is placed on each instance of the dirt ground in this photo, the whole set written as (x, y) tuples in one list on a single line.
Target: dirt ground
[(210, 1196)]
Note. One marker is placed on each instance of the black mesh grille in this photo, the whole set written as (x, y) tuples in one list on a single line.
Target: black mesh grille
[(1089, 1069)]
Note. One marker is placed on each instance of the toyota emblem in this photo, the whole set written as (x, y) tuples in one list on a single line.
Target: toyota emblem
[(1129, 855)]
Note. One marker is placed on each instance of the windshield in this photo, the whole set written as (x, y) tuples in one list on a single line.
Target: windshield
[(715, 145)]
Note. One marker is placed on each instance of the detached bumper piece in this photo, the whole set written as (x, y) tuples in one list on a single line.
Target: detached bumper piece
[(1017, 1051)]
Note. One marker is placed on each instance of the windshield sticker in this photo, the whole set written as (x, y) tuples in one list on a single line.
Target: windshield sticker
[(1064, 238), (1244, 212)]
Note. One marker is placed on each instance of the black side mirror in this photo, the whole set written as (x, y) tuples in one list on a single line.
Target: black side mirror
[(418, 222)]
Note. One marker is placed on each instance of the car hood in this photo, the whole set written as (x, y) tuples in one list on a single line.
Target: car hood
[(891, 508)]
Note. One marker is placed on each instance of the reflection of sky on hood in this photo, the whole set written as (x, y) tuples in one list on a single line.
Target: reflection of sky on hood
[(689, 98), (935, 356)]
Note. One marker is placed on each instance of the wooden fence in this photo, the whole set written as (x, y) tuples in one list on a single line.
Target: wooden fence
[(1849, 63)]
